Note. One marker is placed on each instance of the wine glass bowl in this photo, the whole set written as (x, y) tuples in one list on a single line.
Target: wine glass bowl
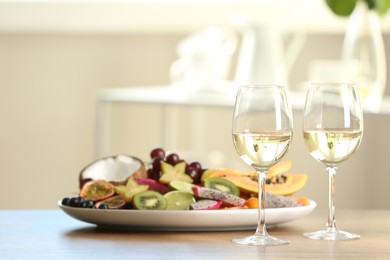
[(332, 132), (262, 133)]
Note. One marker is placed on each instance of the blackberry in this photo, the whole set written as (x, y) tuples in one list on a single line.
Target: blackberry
[(80, 202), (65, 201), (73, 202), (88, 204), (103, 206)]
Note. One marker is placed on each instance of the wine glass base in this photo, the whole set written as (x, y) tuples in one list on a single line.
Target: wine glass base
[(331, 235), (261, 240)]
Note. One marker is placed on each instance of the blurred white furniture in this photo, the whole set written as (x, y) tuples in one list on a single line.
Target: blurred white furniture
[(166, 97), (159, 95)]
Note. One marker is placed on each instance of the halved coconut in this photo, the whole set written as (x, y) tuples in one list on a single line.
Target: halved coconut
[(114, 169)]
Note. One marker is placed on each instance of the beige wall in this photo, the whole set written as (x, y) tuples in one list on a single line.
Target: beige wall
[(47, 113), (47, 105)]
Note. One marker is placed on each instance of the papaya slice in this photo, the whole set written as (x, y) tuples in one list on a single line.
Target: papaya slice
[(292, 184), (275, 170), (279, 168), (247, 181), (228, 173)]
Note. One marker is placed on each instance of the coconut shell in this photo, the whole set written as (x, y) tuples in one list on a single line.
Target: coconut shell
[(115, 169)]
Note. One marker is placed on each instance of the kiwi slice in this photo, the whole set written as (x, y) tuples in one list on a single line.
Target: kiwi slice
[(178, 200), (223, 185), (149, 200)]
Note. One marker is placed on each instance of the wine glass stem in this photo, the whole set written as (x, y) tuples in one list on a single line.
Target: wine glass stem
[(331, 224), (261, 228)]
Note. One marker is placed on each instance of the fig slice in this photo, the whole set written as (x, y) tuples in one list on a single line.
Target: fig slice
[(115, 169)]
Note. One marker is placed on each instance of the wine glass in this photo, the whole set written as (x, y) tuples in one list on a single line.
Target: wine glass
[(262, 133), (332, 131)]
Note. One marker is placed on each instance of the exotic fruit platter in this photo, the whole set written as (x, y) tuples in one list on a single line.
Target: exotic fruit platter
[(169, 193)]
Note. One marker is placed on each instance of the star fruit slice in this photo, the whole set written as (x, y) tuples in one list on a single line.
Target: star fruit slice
[(129, 190), (174, 173)]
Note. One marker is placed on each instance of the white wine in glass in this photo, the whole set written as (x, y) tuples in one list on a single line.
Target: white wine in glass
[(332, 131), (262, 133)]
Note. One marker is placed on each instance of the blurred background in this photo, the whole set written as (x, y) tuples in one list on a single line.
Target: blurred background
[(55, 57)]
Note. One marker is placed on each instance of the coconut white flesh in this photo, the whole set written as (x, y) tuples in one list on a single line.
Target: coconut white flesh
[(116, 168)]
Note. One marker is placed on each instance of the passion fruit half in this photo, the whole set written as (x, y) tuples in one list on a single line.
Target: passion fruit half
[(114, 169), (97, 190), (116, 202)]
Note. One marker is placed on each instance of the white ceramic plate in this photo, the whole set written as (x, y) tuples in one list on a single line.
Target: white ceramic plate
[(185, 220)]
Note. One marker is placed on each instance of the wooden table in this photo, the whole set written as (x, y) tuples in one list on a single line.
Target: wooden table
[(51, 234)]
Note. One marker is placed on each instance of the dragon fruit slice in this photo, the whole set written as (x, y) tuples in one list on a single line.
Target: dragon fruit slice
[(153, 185), (206, 204), (278, 201), (213, 194)]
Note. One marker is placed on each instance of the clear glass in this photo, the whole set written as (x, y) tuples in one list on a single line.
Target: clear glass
[(262, 133), (332, 131), (364, 52)]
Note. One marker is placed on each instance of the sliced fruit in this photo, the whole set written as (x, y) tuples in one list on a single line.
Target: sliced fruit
[(207, 193), (97, 190), (182, 186), (206, 204), (129, 190), (206, 174), (174, 173), (292, 184), (279, 168), (116, 202), (278, 201), (222, 173), (247, 181), (115, 169), (178, 200), (302, 201), (273, 171), (149, 200), (153, 185), (273, 201), (222, 184)]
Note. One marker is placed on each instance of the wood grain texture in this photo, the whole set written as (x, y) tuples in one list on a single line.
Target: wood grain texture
[(54, 235)]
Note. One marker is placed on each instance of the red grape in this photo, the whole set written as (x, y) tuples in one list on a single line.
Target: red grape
[(196, 165), (156, 165), (194, 173), (157, 153), (153, 174), (172, 159)]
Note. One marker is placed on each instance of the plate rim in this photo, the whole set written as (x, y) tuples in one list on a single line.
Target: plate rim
[(246, 214)]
